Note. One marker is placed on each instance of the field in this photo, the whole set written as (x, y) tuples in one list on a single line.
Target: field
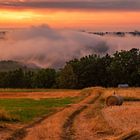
[(69, 114)]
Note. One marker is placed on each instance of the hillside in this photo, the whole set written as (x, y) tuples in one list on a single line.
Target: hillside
[(10, 65)]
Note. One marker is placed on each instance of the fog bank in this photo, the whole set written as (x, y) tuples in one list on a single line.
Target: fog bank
[(47, 47)]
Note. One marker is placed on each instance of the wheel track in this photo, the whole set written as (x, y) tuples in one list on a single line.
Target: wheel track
[(21, 133), (134, 135), (68, 131)]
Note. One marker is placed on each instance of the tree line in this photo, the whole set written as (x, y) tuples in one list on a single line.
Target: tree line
[(93, 70)]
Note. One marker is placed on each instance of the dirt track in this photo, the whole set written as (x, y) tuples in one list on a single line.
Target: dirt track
[(58, 126), (87, 120), (68, 127)]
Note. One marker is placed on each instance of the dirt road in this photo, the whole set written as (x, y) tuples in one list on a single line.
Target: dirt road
[(85, 120), (60, 125)]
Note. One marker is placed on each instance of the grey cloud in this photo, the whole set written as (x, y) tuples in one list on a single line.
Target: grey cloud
[(78, 4)]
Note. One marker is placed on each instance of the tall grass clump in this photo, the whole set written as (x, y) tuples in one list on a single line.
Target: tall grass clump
[(4, 116)]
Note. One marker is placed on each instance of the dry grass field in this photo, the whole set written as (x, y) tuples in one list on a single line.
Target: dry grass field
[(69, 115)]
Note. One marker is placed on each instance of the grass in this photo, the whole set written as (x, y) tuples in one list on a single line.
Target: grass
[(4, 116), (25, 110)]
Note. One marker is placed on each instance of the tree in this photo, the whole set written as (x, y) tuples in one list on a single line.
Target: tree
[(44, 78), (15, 79), (67, 78)]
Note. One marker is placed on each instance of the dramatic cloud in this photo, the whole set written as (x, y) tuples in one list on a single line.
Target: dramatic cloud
[(49, 48), (75, 4)]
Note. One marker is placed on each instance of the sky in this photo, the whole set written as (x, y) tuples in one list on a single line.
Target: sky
[(46, 39), (99, 15)]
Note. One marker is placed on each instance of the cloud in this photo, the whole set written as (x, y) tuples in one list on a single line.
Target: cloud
[(47, 47), (124, 5)]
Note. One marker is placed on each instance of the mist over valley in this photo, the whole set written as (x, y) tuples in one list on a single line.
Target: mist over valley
[(47, 47)]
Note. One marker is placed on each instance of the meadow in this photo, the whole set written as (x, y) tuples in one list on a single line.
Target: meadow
[(25, 110)]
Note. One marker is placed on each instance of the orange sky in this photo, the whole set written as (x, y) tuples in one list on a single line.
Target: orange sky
[(99, 20)]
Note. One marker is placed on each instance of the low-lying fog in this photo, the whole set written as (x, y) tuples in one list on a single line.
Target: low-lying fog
[(47, 47)]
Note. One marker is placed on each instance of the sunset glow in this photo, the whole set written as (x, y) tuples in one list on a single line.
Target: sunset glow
[(69, 14), (65, 19)]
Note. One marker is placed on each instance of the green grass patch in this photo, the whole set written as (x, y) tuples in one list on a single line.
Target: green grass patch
[(25, 110)]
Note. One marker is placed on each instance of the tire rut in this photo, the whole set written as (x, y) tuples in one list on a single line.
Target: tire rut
[(134, 135), (21, 133), (68, 131)]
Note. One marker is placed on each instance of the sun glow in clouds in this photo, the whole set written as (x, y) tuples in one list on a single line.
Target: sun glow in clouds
[(6, 15), (75, 19), (18, 18)]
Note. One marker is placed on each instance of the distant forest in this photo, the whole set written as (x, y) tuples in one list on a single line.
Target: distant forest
[(93, 70)]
